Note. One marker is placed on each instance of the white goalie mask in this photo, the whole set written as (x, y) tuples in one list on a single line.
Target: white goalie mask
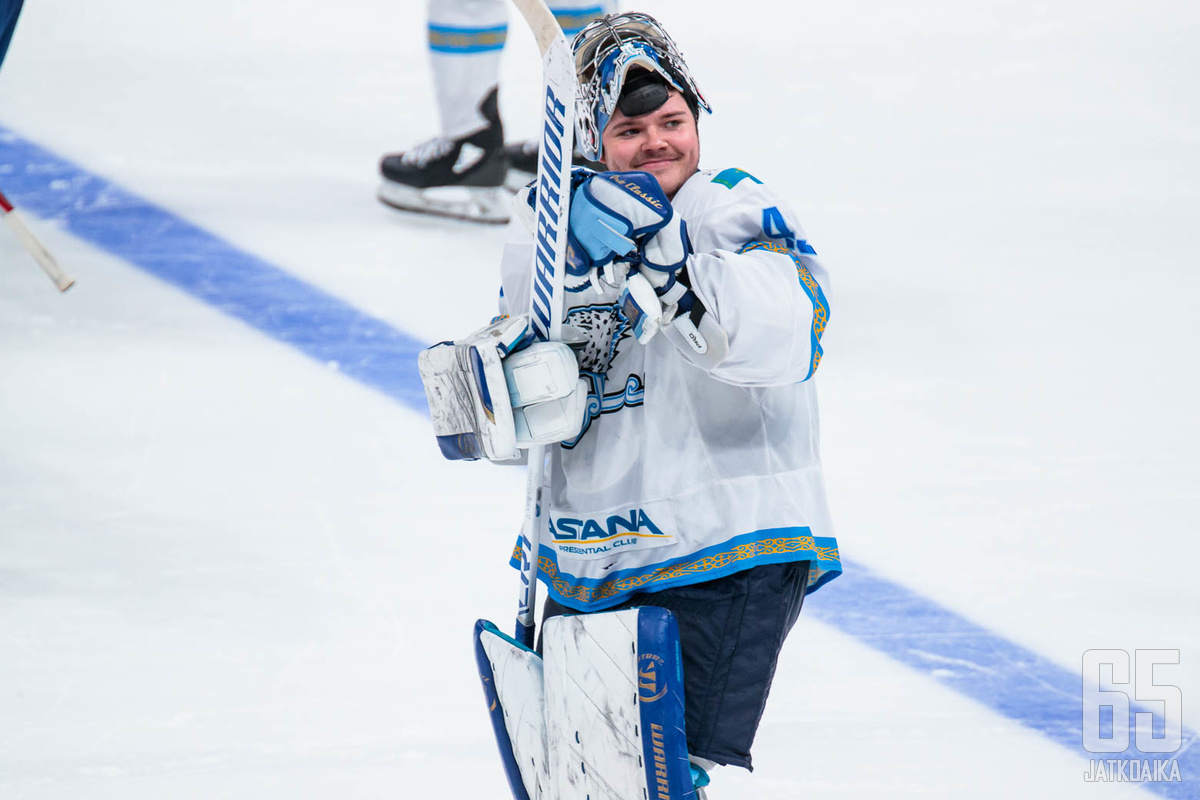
[(605, 53)]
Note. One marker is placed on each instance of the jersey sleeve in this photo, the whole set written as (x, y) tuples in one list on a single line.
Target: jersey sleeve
[(755, 272)]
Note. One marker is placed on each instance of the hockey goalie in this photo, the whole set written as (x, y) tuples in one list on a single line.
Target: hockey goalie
[(681, 516)]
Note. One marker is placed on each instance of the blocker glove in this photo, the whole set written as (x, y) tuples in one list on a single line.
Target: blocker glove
[(619, 219)]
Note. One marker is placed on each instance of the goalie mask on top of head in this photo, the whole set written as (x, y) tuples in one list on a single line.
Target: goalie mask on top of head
[(606, 51)]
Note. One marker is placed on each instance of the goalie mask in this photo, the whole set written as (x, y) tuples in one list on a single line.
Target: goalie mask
[(617, 54)]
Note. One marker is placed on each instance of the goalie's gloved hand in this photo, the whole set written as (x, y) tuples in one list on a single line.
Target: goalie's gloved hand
[(679, 313), (661, 265), (650, 300), (623, 216), (497, 391)]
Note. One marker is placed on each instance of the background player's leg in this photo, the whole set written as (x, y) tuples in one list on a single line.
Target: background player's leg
[(459, 173)]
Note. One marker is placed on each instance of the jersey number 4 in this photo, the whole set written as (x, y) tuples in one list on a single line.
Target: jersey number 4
[(775, 227)]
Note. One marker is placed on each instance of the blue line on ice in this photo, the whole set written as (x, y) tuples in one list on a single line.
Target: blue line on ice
[(1004, 676), (933, 640), (242, 285)]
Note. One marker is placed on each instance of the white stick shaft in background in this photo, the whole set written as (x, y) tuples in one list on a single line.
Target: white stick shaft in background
[(39, 253)]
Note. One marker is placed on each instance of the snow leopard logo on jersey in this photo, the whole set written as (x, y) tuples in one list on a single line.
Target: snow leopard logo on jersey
[(606, 330)]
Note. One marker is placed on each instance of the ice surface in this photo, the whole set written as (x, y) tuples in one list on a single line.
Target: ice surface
[(226, 570)]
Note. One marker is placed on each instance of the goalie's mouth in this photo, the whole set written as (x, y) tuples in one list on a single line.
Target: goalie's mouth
[(651, 163)]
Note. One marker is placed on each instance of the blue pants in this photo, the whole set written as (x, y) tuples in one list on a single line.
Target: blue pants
[(730, 633), (9, 11)]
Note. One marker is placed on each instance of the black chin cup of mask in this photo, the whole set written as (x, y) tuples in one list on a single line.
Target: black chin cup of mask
[(644, 91)]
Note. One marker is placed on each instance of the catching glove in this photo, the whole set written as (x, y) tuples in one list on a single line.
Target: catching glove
[(497, 392)]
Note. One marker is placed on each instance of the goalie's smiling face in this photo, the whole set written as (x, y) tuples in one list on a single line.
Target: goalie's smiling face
[(664, 142)]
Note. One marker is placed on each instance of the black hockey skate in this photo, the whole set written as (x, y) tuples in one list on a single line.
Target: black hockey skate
[(459, 178), (522, 163)]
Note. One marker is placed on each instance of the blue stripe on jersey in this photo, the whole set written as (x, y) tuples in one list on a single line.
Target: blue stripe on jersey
[(463, 41), (573, 20), (811, 288), (769, 546)]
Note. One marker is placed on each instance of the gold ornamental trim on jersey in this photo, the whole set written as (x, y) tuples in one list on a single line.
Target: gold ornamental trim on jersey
[(820, 309), (820, 312), (705, 564)]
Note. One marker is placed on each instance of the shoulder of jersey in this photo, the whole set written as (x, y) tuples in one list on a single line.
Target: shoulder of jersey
[(730, 178), (716, 187)]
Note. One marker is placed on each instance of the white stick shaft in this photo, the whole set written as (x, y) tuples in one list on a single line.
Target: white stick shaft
[(549, 259), (39, 253), (541, 21), (527, 602)]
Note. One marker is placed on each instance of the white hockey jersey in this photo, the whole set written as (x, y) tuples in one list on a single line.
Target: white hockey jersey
[(683, 475)]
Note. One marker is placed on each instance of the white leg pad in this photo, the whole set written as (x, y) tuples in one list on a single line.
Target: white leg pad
[(614, 707), (512, 684)]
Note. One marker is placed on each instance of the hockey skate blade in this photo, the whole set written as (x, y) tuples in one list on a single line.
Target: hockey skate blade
[(490, 204)]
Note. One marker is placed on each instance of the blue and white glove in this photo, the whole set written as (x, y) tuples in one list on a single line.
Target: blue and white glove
[(651, 299), (497, 392), (622, 217), (676, 311)]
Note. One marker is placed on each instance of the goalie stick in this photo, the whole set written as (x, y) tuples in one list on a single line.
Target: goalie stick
[(549, 259), (511, 672), (39, 253)]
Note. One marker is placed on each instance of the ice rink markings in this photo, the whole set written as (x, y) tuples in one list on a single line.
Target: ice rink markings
[(915, 631)]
